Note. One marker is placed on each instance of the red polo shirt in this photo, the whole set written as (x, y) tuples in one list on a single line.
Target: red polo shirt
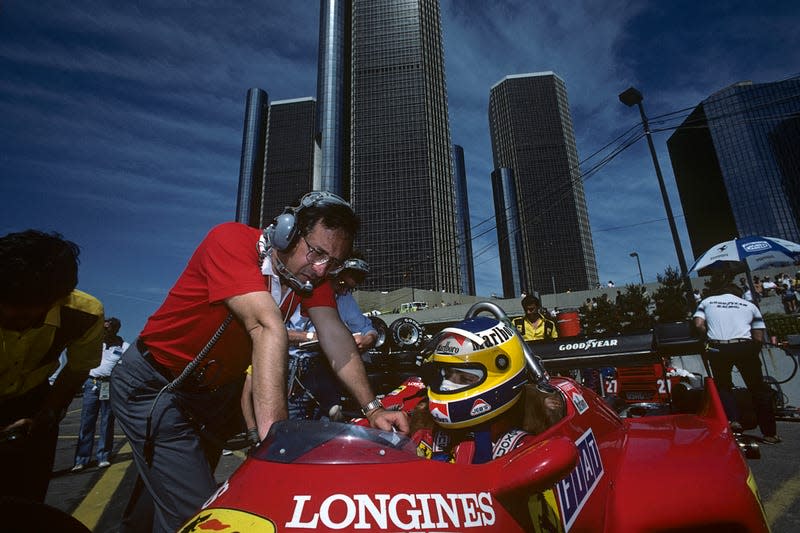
[(225, 264)]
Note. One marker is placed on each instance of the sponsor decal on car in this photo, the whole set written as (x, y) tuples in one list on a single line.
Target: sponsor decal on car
[(575, 489), (544, 513), (230, 520), (579, 402), (406, 512)]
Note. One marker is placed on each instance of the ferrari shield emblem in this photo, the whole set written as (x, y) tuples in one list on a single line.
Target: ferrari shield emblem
[(226, 520)]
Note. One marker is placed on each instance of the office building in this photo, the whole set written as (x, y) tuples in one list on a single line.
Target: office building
[(400, 175), (532, 135), (735, 160), (509, 234), (251, 166), (463, 220), (289, 161), (333, 96)]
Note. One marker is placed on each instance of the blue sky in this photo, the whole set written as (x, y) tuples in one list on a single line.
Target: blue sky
[(121, 122)]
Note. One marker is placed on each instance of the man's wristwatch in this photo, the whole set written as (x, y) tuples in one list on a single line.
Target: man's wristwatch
[(310, 335), (371, 406)]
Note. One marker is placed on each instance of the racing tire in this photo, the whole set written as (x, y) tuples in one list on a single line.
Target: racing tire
[(407, 333), (383, 343)]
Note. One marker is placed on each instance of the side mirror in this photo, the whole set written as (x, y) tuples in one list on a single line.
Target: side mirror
[(537, 468)]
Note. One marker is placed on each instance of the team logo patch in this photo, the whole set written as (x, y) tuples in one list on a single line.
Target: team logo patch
[(508, 442), (227, 520), (480, 407), (439, 411)]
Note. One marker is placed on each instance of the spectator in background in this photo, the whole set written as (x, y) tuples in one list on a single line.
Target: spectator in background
[(758, 288), (96, 402), (534, 325), (768, 287), (41, 315), (789, 299)]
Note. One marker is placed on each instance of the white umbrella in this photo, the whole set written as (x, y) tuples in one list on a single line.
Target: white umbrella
[(747, 253)]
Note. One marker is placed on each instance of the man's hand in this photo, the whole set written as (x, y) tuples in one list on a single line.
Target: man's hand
[(364, 342), (388, 420)]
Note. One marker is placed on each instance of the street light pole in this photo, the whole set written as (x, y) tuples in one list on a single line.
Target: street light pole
[(631, 97), (638, 264)]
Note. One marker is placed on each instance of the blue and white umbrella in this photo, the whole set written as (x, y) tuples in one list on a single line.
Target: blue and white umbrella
[(747, 253)]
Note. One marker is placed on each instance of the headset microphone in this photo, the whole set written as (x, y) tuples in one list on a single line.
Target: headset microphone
[(300, 286)]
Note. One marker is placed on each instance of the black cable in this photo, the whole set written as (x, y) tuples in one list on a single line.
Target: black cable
[(149, 442)]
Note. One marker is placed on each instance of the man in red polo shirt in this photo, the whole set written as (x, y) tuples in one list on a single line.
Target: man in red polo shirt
[(178, 386)]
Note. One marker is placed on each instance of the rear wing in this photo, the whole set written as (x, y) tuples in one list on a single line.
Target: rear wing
[(665, 340)]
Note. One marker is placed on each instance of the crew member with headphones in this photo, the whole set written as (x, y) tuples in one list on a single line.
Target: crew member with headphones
[(180, 382)]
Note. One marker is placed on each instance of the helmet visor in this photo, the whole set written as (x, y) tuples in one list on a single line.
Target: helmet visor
[(456, 378)]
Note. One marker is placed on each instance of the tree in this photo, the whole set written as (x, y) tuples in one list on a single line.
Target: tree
[(633, 309), (670, 297), (602, 319)]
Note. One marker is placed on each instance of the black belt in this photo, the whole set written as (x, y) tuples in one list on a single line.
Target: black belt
[(188, 385), (97, 379), (147, 355), (730, 341)]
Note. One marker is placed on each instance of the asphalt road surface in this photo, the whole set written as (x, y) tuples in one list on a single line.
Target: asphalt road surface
[(97, 497)]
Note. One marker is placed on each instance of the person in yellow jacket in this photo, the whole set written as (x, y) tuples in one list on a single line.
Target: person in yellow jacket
[(534, 325)]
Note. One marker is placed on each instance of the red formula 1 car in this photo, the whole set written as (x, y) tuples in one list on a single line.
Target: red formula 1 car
[(677, 470)]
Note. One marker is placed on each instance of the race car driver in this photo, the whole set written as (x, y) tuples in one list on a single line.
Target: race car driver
[(480, 404)]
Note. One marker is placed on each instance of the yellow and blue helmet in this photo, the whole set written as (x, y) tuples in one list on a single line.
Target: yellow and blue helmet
[(475, 371)]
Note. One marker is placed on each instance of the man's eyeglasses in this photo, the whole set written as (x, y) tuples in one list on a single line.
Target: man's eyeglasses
[(317, 257)]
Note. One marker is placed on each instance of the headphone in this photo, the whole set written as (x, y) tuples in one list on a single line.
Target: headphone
[(284, 229)]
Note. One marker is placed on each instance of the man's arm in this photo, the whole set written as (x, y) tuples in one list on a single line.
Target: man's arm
[(339, 347), (700, 324), (364, 332), (262, 321), (757, 334)]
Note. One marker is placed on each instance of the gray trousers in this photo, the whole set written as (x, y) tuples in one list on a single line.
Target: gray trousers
[(181, 475)]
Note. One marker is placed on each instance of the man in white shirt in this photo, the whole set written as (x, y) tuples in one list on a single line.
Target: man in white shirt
[(735, 330), (96, 402)]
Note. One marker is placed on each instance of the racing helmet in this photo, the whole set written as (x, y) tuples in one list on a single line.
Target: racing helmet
[(474, 371)]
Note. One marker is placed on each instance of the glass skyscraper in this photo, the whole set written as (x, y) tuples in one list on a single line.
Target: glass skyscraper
[(251, 167), (333, 93), (463, 219), (532, 135), (289, 166), (400, 166), (509, 234), (735, 160)]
